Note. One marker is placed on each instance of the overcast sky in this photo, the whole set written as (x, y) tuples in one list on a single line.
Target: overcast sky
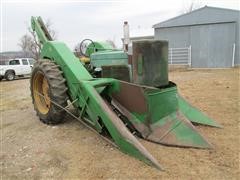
[(97, 20)]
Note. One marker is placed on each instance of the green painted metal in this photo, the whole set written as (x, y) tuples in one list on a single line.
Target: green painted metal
[(39, 27), (121, 72), (194, 115), (158, 114), (108, 57), (92, 107), (98, 46), (158, 117), (180, 133), (82, 86)]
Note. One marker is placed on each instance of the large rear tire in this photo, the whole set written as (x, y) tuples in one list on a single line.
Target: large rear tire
[(47, 85)]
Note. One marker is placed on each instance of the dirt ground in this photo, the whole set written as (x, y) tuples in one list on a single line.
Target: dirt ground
[(33, 150)]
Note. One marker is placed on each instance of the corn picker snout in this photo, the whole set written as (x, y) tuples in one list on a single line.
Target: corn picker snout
[(123, 96)]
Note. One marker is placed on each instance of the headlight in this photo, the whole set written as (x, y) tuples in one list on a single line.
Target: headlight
[(98, 69)]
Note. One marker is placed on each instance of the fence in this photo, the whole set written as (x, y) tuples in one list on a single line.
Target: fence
[(180, 56)]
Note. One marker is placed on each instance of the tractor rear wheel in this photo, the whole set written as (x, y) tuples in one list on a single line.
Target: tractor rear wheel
[(48, 91)]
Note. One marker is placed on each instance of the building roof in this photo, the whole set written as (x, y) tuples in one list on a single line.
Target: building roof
[(204, 15)]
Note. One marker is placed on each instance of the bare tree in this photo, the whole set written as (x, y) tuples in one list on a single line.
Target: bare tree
[(29, 42), (77, 51), (191, 7), (26, 45)]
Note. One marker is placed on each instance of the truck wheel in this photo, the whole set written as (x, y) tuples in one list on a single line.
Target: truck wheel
[(1, 78), (48, 88), (10, 75)]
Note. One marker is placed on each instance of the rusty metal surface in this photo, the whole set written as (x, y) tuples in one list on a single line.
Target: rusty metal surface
[(131, 96), (172, 129), (120, 72), (170, 133), (129, 59), (141, 127), (126, 134), (150, 63)]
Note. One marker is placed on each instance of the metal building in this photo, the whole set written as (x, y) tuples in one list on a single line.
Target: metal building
[(207, 37)]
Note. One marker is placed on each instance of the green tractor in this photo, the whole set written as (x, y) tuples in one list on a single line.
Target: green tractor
[(122, 96)]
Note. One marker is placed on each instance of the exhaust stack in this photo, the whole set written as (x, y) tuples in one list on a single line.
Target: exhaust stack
[(126, 37)]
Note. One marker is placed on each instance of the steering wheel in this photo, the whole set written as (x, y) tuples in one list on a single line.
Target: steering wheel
[(83, 46)]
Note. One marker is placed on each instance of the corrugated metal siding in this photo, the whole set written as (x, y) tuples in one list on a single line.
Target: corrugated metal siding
[(211, 44), (237, 54), (211, 32), (176, 37)]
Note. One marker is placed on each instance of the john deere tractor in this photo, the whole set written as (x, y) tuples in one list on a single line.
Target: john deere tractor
[(122, 96)]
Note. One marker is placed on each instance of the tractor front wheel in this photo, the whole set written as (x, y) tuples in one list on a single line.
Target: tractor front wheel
[(48, 91)]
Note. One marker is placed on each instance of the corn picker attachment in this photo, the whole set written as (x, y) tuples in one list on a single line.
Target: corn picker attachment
[(123, 96)]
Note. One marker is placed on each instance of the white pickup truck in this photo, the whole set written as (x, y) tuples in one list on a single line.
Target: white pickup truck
[(16, 67)]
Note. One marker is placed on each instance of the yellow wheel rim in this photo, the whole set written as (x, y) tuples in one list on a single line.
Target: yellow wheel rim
[(41, 93)]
